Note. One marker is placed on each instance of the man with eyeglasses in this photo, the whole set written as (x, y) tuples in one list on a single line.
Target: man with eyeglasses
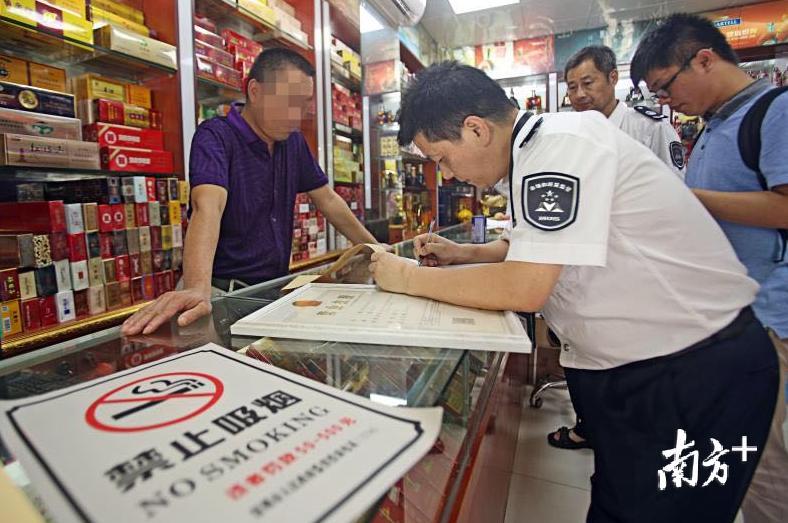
[(689, 65)]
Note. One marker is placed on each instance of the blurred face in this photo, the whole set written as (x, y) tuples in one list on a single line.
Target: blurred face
[(279, 106), (474, 158), (687, 87), (589, 89)]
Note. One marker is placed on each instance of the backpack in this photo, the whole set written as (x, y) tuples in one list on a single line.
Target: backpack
[(749, 141)]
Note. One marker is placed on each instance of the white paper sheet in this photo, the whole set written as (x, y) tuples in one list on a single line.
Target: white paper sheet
[(365, 314), (208, 435)]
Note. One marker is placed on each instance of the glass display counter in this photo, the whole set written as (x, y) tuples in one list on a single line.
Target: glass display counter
[(462, 382)]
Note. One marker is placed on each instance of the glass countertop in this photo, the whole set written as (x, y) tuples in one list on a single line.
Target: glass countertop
[(459, 381)]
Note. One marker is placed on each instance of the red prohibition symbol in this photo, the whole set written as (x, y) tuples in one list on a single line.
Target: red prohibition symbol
[(185, 394)]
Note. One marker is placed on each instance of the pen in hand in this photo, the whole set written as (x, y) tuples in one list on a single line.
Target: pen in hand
[(429, 238)]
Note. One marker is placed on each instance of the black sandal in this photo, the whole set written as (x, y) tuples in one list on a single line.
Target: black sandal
[(565, 442)]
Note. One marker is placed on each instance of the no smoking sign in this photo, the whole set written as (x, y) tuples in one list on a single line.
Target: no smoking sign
[(154, 402)]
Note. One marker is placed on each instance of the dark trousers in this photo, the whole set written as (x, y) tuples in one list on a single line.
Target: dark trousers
[(723, 388)]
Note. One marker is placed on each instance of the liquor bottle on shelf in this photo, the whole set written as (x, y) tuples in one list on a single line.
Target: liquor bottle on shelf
[(534, 103)]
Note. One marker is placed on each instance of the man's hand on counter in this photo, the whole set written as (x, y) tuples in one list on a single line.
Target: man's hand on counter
[(434, 250), (194, 305)]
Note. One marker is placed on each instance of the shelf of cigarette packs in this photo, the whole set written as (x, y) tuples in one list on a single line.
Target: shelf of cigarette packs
[(309, 231)]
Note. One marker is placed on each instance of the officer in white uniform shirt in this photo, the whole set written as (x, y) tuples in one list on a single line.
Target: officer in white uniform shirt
[(628, 268), (591, 77)]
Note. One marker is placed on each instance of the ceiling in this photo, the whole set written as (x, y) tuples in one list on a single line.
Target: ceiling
[(531, 18)]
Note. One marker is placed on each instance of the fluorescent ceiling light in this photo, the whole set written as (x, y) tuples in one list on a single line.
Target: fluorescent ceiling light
[(468, 6), (369, 22)]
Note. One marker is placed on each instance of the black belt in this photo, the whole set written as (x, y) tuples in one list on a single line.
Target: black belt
[(224, 283)]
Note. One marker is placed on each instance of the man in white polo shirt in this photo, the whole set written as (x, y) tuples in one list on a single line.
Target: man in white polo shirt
[(630, 271)]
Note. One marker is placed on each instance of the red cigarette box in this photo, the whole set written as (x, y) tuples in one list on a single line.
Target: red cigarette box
[(35, 217), (141, 213), (81, 307), (128, 159), (122, 268), (148, 287), (48, 310), (77, 248), (125, 293), (118, 217), (108, 134), (9, 285), (162, 191), (106, 240), (31, 314), (137, 292), (135, 265), (164, 282), (150, 186), (106, 223), (155, 237), (58, 246)]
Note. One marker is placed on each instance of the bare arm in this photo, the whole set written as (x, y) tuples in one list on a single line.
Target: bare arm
[(758, 209), (339, 215), (199, 248)]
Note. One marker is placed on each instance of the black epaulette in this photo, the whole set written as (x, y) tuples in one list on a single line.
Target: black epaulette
[(651, 113), (532, 132)]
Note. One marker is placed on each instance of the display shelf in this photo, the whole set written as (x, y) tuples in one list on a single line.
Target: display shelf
[(227, 12), (343, 77), (62, 174), (213, 92), (61, 51), (350, 132), (345, 28), (38, 338), (341, 182), (406, 157)]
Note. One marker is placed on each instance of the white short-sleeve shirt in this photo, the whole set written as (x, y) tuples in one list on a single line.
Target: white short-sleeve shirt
[(654, 131), (647, 271)]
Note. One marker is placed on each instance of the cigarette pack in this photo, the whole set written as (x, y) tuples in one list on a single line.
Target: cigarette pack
[(79, 275), (165, 282), (172, 189), (137, 292), (11, 318), (164, 214), (47, 77), (27, 285), (131, 215), (81, 307), (128, 159), (77, 249), (177, 258), (13, 70), (177, 236), (118, 8), (102, 18), (58, 245), (74, 222), (157, 260), (155, 237), (46, 281), (105, 241), (141, 192), (145, 239), (139, 95), (109, 270), (64, 301), (148, 287), (91, 87), (145, 48), (13, 121), (97, 300), (214, 54), (118, 216), (166, 237), (133, 240), (141, 214), (175, 212), (113, 295), (162, 191), (154, 213), (107, 134), (122, 268), (35, 217), (50, 17), (31, 315), (48, 309), (63, 275), (9, 285), (90, 216), (93, 243), (231, 38), (125, 293), (202, 34), (135, 265), (16, 250), (119, 244), (26, 150), (95, 271), (146, 262), (183, 192), (127, 189), (27, 98), (113, 112), (42, 254)]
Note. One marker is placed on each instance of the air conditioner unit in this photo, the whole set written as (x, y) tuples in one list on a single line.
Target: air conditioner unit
[(400, 12)]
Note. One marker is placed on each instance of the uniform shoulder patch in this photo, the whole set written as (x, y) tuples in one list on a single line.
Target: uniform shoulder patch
[(651, 113), (550, 200), (677, 154)]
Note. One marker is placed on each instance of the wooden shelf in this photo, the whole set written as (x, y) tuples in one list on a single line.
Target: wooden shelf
[(62, 174), (355, 134), (342, 76)]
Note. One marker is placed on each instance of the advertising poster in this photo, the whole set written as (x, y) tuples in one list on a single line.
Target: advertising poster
[(210, 435), (753, 25)]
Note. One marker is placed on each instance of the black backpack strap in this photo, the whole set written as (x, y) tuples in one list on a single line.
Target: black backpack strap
[(750, 144)]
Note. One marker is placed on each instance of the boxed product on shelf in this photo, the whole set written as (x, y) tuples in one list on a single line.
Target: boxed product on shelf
[(33, 217), (120, 9), (46, 77), (92, 86), (9, 284), (201, 34), (64, 301), (36, 124), (58, 246), (233, 40), (16, 250), (139, 95), (78, 7), (11, 318), (27, 284), (204, 22), (107, 134), (112, 111), (101, 18), (259, 9), (220, 73), (60, 21), (31, 314), (142, 47), (130, 159), (27, 98), (25, 150), (214, 54), (13, 70)]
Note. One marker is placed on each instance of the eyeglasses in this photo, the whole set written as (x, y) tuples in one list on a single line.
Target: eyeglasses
[(664, 91)]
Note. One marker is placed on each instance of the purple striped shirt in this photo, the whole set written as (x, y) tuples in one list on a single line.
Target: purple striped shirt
[(257, 226)]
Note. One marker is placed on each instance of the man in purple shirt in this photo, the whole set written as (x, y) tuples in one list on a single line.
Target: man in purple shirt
[(245, 172)]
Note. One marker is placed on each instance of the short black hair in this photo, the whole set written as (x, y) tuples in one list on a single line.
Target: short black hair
[(674, 40), (443, 95), (604, 59), (276, 59)]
